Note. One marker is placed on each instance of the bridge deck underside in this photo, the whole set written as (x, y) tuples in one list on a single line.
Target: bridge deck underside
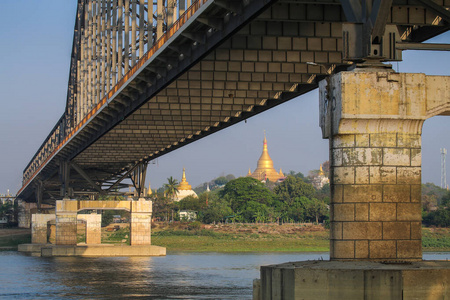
[(264, 63)]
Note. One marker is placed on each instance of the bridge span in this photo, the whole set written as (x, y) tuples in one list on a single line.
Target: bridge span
[(147, 78)]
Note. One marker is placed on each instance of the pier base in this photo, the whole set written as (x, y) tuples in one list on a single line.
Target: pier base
[(103, 250), (355, 280)]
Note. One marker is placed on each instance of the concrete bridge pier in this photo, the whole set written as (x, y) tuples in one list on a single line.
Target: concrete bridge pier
[(141, 222), (66, 230), (374, 123), (373, 119), (93, 228), (39, 228), (66, 222)]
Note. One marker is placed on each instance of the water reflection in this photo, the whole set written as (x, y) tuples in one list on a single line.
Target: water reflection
[(176, 276)]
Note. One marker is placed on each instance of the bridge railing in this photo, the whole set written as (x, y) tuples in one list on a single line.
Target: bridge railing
[(54, 138), (63, 130)]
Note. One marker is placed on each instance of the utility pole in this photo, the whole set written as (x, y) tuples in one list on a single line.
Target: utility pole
[(443, 170)]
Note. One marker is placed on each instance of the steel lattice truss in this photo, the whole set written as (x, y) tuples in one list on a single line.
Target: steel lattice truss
[(149, 77)]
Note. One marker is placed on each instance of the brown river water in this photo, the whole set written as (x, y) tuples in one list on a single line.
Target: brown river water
[(176, 276)]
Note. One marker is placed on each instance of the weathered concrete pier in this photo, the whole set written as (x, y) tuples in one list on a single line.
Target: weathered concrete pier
[(373, 119), (66, 219)]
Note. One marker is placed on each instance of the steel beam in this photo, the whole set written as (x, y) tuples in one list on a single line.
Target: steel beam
[(423, 46), (438, 9), (86, 177)]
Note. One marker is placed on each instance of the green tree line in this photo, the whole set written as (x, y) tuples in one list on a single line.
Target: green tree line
[(248, 200), (435, 206)]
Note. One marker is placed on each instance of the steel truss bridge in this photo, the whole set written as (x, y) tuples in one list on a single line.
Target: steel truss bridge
[(148, 77)]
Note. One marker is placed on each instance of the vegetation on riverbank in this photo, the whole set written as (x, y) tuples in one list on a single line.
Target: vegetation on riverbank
[(11, 242), (208, 240), (436, 239), (265, 238), (195, 237)]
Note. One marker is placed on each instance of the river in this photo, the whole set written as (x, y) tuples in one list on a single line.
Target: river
[(175, 276)]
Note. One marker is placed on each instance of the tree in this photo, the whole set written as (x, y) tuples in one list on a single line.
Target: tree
[(430, 189), (170, 188), (316, 209), (221, 180), (270, 185), (218, 209), (230, 177), (324, 193), (295, 211), (253, 211), (428, 202), (445, 201), (299, 174), (440, 217), (294, 187), (7, 210), (245, 189), (161, 207), (192, 203)]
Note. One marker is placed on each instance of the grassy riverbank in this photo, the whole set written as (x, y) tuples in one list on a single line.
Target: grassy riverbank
[(209, 241), (266, 238), (195, 237), (436, 239), (11, 237)]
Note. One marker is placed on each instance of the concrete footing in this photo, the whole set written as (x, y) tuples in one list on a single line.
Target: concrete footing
[(354, 280), (47, 250)]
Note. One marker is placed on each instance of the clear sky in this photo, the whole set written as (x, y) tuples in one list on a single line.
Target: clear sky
[(36, 39)]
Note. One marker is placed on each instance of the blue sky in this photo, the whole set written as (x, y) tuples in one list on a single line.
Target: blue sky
[(36, 40)]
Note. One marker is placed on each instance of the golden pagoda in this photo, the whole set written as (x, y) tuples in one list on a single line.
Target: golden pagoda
[(149, 191), (184, 185), (320, 180), (321, 171), (184, 189), (265, 169)]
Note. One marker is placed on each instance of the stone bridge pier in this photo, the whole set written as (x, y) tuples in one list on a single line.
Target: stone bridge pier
[(373, 120), (66, 218), (374, 123)]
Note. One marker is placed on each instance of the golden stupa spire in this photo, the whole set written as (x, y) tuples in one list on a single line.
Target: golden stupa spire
[(265, 161), (249, 172), (184, 185), (281, 173), (149, 192), (321, 171), (265, 169)]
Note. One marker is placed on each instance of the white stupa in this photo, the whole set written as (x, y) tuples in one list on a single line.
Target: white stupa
[(184, 189)]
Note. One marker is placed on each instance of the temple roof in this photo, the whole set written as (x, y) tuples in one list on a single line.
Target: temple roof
[(265, 169), (184, 185)]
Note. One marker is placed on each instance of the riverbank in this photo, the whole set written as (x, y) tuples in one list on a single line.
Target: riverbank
[(265, 238), (11, 237), (228, 238)]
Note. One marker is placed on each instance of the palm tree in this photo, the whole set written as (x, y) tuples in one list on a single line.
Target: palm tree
[(170, 188)]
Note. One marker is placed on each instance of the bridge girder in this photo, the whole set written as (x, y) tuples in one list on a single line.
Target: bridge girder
[(221, 63)]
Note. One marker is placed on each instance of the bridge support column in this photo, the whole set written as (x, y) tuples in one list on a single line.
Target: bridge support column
[(374, 122), (39, 228), (141, 222), (93, 228), (66, 222)]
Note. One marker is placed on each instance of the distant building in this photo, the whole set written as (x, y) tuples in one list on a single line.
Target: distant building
[(3, 221), (184, 189), (265, 169), (320, 180), (188, 215)]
